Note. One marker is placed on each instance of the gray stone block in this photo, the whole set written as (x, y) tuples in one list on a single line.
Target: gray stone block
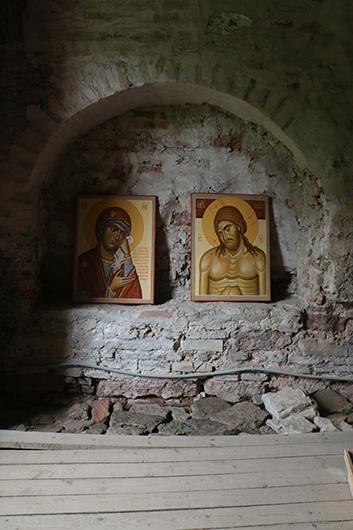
[(78, 411), (223, 389), (133, 430), (97, 428), (294, 424), (73, 426), (322, 348), (146, 422), (212, 345), (208, 407), (244, 416), (324, 424), (151, 409), (206, 427), (330, 402), (179, 414), (285, 402), (175, 428), (310, 413)]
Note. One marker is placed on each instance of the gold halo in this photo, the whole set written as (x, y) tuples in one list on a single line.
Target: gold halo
[(245, 209), (89, 224)]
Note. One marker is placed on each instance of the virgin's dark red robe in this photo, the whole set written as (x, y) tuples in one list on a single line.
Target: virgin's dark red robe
[(91, 281)]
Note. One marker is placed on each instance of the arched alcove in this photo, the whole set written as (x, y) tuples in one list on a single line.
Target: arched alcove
[(159, 94), (172, 151)]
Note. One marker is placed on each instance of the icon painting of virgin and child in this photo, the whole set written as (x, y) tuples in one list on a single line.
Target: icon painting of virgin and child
[(107, 270)]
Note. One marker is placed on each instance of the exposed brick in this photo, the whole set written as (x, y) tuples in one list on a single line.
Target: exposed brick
[(181, 219), (320, 320), (121, 172), (133, 388), (149, 114), (174, 139), (147, 167), (268, 340), (146, 125), (232, 141), (100, 409), (145, 144)]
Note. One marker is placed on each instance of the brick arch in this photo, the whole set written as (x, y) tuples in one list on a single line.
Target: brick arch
[(159, 93)]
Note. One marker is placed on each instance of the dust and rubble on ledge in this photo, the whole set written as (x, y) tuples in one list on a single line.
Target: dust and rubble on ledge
[(287, 411)]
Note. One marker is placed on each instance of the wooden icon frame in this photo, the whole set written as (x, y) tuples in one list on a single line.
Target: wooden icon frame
[(137, 216), (219, 273)]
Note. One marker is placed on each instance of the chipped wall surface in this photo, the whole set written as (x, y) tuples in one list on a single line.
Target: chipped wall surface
[(167, 97)]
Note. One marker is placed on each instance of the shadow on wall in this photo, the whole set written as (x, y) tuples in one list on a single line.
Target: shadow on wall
[(281, 279), (163, 287)]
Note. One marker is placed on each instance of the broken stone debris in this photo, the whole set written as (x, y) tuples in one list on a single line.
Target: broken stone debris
[(324, 424), (294, 424), (286, 411), (286, 402), (208, 408), (243, 417), (100, 410), (293, 412), (329, 402)]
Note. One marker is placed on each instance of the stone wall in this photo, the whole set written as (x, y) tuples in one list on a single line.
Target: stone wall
[(172, 152), (169, 98)]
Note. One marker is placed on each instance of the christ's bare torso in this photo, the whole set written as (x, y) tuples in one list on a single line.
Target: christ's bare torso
[(233, 274)]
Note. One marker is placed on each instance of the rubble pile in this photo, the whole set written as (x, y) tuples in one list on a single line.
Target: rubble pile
[(287, 411)]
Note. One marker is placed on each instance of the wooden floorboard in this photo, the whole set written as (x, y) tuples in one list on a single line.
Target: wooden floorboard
[(193, 519), (275, 478), (181, 500), (57, 481), (36, 440), (184, 454)]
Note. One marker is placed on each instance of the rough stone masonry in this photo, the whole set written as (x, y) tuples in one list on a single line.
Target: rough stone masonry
[(168, 99)]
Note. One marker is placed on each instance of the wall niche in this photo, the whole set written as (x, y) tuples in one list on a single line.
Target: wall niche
[(172, 152)]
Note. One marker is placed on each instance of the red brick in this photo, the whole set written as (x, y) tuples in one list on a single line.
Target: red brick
[(100, 409), (234, 142), (267, 340), (149, 114), (120, 172), (174, 140), (321, 321), (146, 145), (150, 168), (181, 219)]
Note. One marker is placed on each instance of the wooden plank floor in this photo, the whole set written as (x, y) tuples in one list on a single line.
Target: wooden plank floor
[(64, 481)]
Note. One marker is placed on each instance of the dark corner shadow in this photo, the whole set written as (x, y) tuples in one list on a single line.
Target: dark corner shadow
[(163, 287), (280, 277)]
